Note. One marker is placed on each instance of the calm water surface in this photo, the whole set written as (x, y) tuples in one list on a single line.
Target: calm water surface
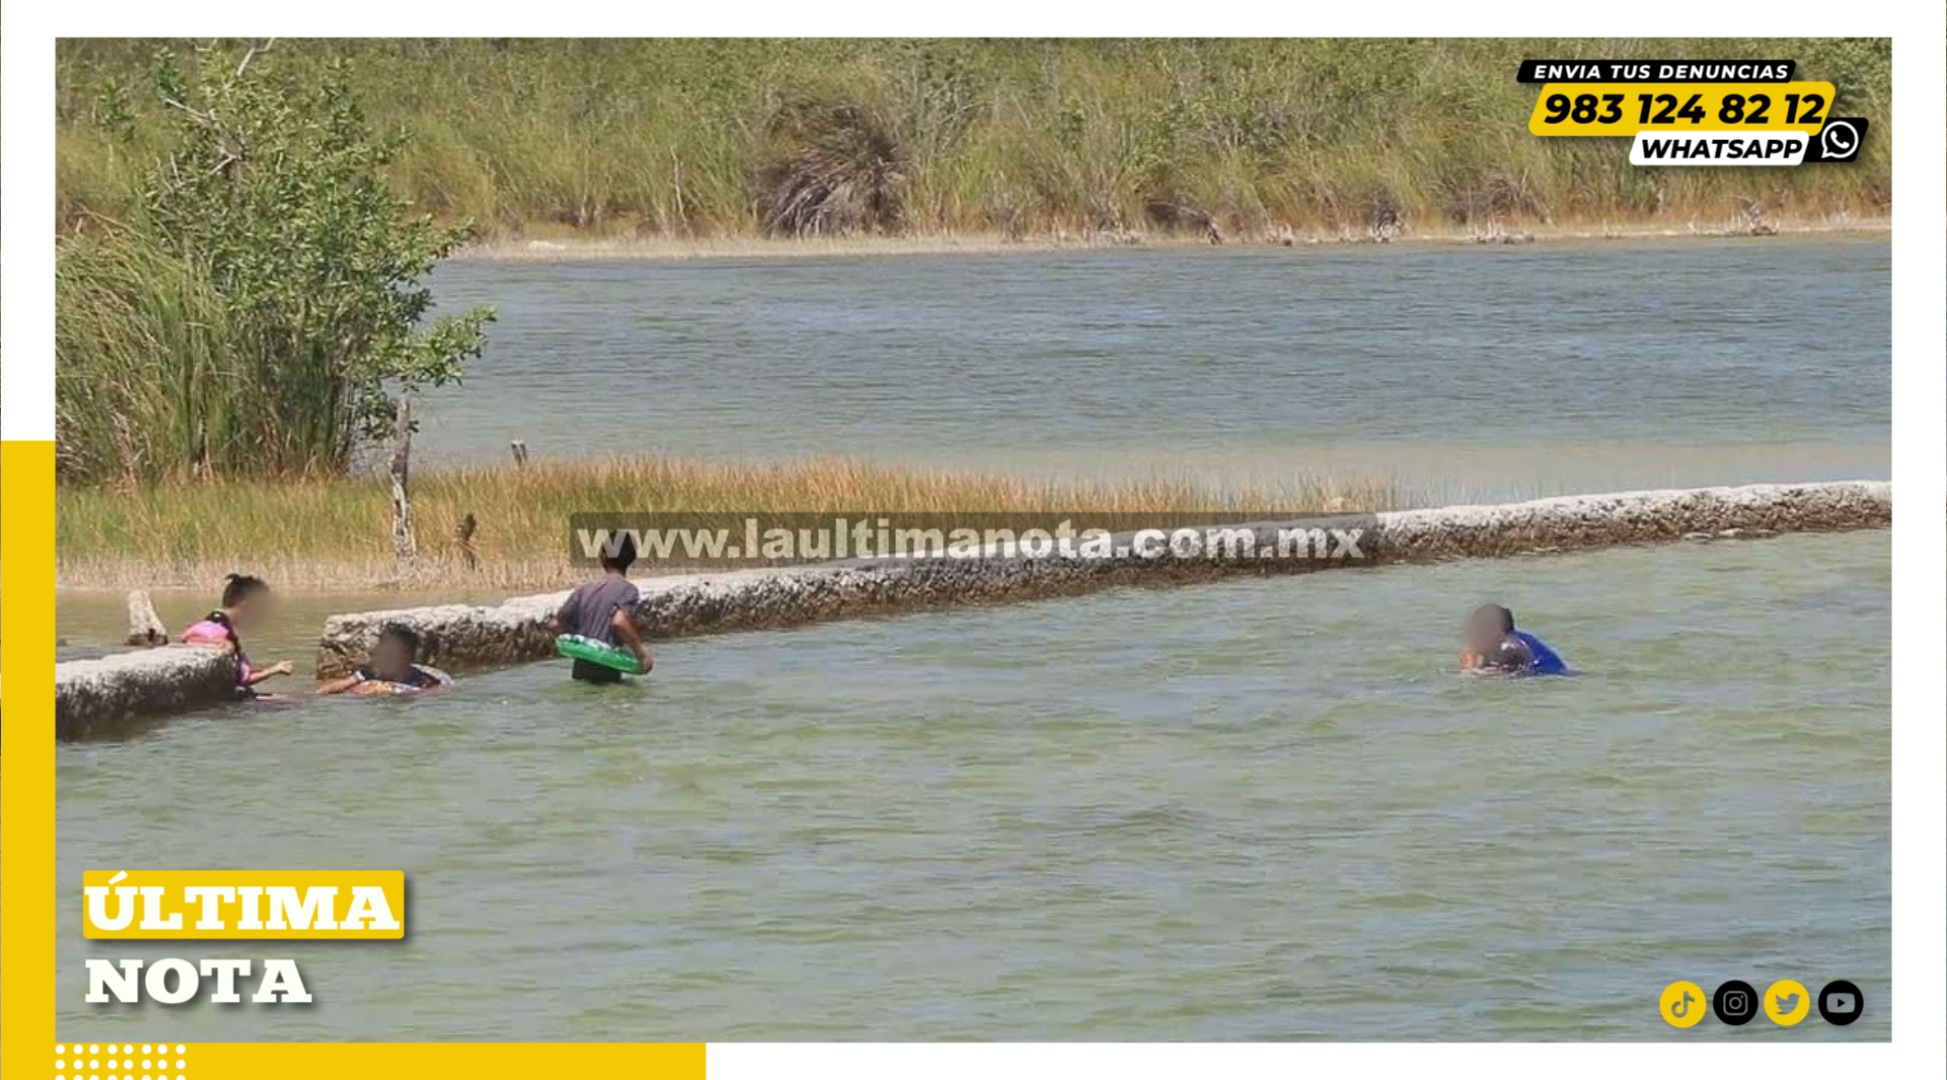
[(1459, 372), (1262, 809)]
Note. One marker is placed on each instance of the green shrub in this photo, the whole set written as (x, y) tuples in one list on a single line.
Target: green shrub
[(262, 309)]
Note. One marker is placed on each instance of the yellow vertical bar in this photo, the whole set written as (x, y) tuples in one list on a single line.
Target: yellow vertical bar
[(27, 975)]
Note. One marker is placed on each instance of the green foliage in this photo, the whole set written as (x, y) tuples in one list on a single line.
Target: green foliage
[(262, 310), (682, 138)]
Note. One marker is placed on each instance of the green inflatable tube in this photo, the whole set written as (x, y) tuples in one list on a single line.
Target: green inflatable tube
[(576, 647)]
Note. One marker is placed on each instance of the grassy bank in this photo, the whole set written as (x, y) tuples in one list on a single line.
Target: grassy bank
[(579, 248), (335, 533), (716, 139)]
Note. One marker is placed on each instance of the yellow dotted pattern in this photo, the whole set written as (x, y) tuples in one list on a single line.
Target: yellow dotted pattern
[(120, 1061)]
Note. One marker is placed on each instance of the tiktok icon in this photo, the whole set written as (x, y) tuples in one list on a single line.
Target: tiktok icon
[(1683, 1004)]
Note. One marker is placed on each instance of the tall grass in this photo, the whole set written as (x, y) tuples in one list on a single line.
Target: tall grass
[(159, 377), (155, 378), (258, 306), (708, 138), (335, 532)]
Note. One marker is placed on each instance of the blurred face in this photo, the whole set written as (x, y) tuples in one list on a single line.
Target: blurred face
[(254, 610), (1481, 634), (390, 657)]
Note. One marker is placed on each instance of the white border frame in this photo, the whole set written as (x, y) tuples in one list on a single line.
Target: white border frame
[(1919, 1046)]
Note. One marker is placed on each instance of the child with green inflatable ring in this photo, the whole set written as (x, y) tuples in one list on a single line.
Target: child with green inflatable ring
[(576, 647)]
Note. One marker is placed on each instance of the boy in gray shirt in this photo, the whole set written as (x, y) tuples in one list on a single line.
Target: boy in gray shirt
[(604, 610)]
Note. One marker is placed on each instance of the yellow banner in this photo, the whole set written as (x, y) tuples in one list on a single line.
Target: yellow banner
[(1627, 108), (244, 904)]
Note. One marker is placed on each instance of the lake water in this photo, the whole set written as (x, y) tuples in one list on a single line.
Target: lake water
[(1261, 809), (1258, 809), (1461, 372)]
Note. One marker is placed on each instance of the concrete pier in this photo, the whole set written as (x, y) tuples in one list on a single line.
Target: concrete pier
[(517, 630)]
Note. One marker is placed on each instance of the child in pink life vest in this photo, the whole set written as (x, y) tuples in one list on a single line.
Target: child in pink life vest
[(246, 603)]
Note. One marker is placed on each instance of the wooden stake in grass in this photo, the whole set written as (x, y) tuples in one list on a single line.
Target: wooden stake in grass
[(463, 537), (405, 546)]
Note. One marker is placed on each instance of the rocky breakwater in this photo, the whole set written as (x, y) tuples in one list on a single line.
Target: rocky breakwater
[(517, 630), (96, 697)]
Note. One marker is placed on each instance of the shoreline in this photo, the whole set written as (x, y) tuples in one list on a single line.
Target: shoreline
[(574, 247), (433, 580)]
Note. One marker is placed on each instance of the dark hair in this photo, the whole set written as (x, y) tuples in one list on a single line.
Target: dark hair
[(405, 636), (1509, 656), (619, 554), (1498, 613), (240, 587)]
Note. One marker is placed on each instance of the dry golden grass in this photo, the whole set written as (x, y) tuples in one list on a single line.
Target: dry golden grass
[(335, 534)]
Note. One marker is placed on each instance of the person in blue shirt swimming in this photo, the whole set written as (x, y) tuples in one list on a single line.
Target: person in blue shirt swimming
[(1492, 644)]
